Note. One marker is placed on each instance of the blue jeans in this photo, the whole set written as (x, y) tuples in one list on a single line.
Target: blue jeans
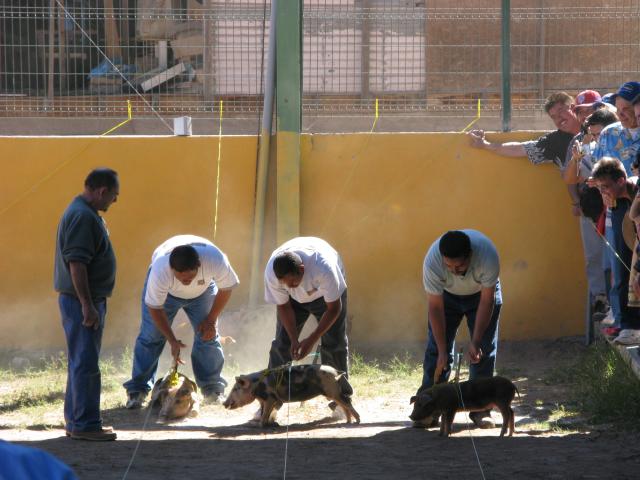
[(207, 358), (455, 307), (593, 253), (625, 316), (82, 396)]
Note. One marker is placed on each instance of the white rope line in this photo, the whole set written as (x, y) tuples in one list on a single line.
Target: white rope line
[(135, 451), (611, 247), (113, 65), (286, 441), (475, 450)]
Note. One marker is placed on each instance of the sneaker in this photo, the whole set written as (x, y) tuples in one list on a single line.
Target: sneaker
[(338, 414), (135, 400), (601, 308), (102, 435), (482, 419), (611, 331), (257, 416), (608, 319), (213, 398), (628, 336)]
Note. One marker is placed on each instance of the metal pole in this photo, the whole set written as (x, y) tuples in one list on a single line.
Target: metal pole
[(255, 287), (289, 118), (52, 29), (506, 66)]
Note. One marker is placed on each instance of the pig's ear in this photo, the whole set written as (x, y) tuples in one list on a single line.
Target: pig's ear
[(413, 399)]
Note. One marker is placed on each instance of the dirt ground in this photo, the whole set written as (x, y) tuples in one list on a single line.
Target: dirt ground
[(220, 444)]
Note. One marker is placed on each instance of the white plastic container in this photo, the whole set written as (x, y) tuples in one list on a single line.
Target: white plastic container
[(182, 126)]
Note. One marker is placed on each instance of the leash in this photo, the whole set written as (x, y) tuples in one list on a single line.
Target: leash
[(173, 381), (458, 358), (610, 246), (289, 366)]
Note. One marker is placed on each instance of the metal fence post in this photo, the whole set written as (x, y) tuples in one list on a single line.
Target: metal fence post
[(506, 66), (289, 117)]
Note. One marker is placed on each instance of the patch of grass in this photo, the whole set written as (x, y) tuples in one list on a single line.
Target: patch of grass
[(606, 389), (28, 398), (370, 378)]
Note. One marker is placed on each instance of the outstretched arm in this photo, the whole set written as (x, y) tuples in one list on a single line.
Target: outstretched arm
[(508, 149)]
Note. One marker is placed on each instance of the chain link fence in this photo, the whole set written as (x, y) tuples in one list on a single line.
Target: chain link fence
[(426, 63)]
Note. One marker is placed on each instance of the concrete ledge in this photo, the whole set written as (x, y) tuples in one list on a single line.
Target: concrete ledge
[(630, 353)]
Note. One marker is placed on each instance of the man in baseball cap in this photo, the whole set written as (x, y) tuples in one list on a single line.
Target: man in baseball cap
[(588, 100)]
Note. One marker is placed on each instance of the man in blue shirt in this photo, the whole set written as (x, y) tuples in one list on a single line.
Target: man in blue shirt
[(621, 140), (460, 276)]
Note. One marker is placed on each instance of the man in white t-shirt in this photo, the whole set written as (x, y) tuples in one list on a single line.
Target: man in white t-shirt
[(460, 276), (190, 273), (306, 276)]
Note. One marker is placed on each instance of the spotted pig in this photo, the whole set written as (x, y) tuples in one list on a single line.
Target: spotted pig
[(273, 387)]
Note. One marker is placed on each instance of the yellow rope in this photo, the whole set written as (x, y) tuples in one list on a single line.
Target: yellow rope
[(49, 175), (215, 217), (474, 120), (121, 123)]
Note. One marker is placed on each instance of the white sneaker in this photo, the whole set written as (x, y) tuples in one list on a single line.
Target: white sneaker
[(135, 400), (608, 319), (628, 336), (338, 414), (257, 417)]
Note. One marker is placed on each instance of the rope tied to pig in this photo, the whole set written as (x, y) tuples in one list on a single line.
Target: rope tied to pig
[(173, 379), (456, 381), (283, 368)]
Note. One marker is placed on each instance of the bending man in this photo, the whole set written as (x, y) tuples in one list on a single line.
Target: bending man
[(191, 273), (460, 276)]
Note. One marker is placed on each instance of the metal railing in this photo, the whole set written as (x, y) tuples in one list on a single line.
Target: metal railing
[(420, 59)]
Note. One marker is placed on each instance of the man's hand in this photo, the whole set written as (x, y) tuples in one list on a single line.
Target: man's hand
[(208, 330), (475, 352), (295, 347), (176, 345), (608, 200), (90, 316), (441, 365), (304, 348), (477, 138)]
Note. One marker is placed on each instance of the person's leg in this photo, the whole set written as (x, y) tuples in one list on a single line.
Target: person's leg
[(148, 348), (334, 345), (619, 267), (489, 346), (82, 398), (453, 316), (280, 352), (489, 343), (614, 265), (207, 357), (593, 253)]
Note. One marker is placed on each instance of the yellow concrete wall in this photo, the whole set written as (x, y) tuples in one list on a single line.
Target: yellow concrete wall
[(381, 200), (167, 188)]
